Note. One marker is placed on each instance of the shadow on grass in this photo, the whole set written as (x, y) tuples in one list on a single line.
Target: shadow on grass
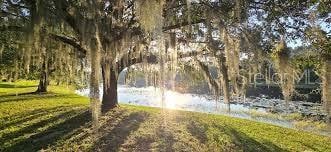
[(239, 140), (164, 138), (18, 94), (113, 139), (39, 138), (5, 85), (198, 131), (159, 135), (13, 96), (19, 119), (31, 95), (168, 139)]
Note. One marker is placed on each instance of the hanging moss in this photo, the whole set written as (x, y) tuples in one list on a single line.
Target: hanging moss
[(288, 73), (174, 59), (149, 13), (232, 47), (188, 7), (162, 69), (1, 51)]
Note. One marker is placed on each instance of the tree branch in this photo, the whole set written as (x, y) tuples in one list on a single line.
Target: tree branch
[(12, 28), (213, 84), (185, 23), (70, 41)]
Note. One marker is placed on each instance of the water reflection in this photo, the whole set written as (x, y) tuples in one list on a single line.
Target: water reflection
[(150, 96)]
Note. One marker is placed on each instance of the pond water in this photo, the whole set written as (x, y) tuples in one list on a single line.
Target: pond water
[(150, 96)]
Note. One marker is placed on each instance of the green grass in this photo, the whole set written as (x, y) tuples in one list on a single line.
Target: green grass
[(299, 122), (60, 121)]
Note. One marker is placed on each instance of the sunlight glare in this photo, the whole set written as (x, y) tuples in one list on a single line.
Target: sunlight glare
[(174, 100)]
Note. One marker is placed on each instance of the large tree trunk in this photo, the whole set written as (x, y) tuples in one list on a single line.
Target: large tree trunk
[(94, 81), (225, 80), (109, 98), (43, 80), (222, 60), (42, 87), (10, 77), (16, 72), (326, 87)]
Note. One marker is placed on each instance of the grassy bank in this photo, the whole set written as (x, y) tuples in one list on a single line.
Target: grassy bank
[(60, 120)]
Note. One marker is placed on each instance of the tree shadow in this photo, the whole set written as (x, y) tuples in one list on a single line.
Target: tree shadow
[(249, 144), (165, 139), (5, 85), (239, 140), (198, 131), (141, 143), (44, 138), (310, 147), (113, 139), (156, 137), (16, 95), (18, 119), (31, 95), (168, 139)]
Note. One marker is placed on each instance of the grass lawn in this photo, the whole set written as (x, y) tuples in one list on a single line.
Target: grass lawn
[(60, 121)]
